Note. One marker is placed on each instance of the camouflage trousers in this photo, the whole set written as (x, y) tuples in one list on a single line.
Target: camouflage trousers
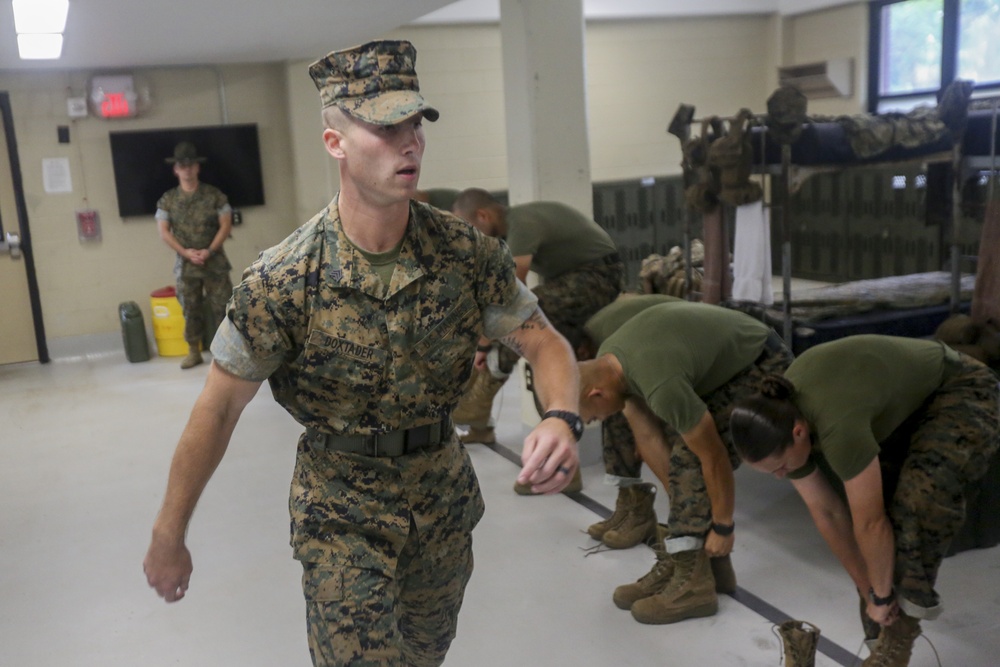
[(386, 548), (570, 299), (690, 507), (200, 299), (619, 449), (952, 439)]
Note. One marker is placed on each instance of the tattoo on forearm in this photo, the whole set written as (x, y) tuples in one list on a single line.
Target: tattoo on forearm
[(537, 322), (512, 343)]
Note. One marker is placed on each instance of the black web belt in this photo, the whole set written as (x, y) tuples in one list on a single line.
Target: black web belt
[(391, 444)]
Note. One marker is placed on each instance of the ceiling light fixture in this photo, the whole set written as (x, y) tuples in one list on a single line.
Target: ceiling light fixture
[(46, 16), (39, 25), (39, 46)]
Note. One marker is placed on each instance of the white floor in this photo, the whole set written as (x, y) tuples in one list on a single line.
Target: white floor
[(84, 450)]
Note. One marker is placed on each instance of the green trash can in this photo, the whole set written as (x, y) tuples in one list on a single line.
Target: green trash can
[(133, 332)]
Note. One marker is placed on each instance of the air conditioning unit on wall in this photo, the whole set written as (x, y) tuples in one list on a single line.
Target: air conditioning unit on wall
[(830, 78)]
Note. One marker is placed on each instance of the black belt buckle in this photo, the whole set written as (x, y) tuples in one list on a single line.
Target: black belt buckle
[(370, 445), (391, 444)]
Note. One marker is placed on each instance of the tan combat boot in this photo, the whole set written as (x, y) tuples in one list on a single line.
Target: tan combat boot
[(597, 530), (649, 584), (475, 407), (800, 640), (895, 643), (639, 521), (193, 357), (722, 567), (622, 504), (690, 593)]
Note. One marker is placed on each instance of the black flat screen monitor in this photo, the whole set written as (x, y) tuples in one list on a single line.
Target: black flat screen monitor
[(142, 175)]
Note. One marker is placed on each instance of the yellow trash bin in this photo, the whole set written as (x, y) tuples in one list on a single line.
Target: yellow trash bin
[(168, 323)]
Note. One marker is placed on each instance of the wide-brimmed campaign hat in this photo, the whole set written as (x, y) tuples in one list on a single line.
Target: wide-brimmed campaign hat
[(185, 153), (375, 82)]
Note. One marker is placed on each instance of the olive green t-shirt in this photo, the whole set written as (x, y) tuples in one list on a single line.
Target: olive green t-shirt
[(672, 354), (558, 238), (607, 320), (855, 391), (442, 198)]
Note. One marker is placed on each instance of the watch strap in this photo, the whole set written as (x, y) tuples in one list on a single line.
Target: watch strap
[(723, 530), (571, 418), (881, 602)]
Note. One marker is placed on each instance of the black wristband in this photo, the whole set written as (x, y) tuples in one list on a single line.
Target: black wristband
[(723, 530), (483, 348), (571, 418), (881, 602)]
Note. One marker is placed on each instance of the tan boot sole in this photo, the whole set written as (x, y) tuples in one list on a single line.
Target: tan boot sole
[(662, 616)]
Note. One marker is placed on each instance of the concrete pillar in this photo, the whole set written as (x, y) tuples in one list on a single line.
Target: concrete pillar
[(545, 104), (545, 95)]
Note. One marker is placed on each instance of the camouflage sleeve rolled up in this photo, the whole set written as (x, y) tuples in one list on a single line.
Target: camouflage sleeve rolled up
[(510, 302), (231, 351)]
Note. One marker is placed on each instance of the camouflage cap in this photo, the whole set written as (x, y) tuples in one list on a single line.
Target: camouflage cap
[(185, 153), (375, 82)]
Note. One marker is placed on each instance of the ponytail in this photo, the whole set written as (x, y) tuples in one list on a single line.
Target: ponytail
[(761, 424)]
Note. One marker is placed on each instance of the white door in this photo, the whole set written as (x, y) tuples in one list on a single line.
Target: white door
[(18, 341)]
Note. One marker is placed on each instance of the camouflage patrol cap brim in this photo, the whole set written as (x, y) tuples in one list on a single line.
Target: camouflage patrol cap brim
[(376, 82)]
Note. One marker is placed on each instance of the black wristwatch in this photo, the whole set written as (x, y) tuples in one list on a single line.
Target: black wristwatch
[(881, 602), (723, 530), (571, 418)]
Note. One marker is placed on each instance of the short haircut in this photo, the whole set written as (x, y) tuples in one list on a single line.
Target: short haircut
[(471, 200)]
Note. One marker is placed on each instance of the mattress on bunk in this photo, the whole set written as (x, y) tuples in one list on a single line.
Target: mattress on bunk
[(826, 142), (894, 293)]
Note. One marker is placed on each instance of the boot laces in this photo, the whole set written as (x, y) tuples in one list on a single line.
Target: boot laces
[(596, 549), (659, 569), (896, 648)]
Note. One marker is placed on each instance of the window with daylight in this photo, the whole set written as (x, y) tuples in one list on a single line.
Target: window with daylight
[(918, 47)]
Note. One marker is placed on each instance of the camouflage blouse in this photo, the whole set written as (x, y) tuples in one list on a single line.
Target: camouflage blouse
[(194, 222), (345, 355)]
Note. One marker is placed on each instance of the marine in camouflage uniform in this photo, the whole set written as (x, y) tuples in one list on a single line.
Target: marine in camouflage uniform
[(197, 219), (677, 368), (310, 317), (369, 352), (577, 261), (912, 418)]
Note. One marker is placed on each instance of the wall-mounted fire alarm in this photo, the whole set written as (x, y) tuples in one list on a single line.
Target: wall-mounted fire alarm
[(76, 107)]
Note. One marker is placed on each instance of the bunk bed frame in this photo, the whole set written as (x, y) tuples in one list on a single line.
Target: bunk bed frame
[(823, 148)]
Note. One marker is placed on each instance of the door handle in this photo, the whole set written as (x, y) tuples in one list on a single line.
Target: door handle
[(11, 244)]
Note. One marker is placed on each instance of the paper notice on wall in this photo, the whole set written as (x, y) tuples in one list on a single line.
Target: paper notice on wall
[(56, 176)]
